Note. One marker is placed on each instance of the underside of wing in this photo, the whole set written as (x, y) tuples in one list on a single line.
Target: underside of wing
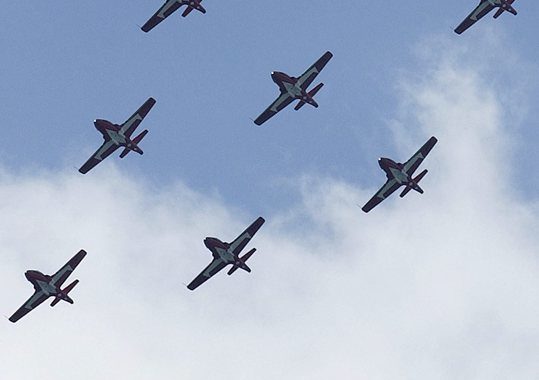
[(389, 188), (103, 152), (215, 266), (312, 72), (241, 241), (282, 101), (37, 299), (134, 121), (166, 10), (413, 163), (478, 13), (59, 277)]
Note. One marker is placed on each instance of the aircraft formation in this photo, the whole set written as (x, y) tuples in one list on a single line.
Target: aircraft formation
[(291, 88)]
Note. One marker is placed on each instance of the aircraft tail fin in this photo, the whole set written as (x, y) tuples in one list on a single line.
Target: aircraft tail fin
[(414, 184), (311, 94), (242, 260), (135, 141), (63, 295)]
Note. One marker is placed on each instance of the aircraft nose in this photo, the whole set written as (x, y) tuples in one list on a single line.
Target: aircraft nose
[(384, 163)]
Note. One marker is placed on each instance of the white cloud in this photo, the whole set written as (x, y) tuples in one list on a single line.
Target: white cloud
[(439, 286)]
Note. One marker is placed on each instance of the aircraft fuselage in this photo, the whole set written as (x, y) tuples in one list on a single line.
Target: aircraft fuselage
[(289, 85), (112, 131), (41, 282), (223, 251), (394, 170), (167, 6), (220, 250), (483, 6)]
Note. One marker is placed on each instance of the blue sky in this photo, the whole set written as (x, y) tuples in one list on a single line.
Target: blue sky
[(441, 286), (66, 64)]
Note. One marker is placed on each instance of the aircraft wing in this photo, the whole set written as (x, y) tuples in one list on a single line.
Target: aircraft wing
[(134, 121), (282, 101), (37, 299), (103, 152), (478, 13), (215, 266), (389, 188), (162, 13), (59, 277), (241, 241), (305, 80), (413, 163)]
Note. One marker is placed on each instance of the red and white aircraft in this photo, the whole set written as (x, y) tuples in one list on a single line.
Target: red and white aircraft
[(295, 88), (119, 136), (49, 286), (227, 253), (169, 8), (484, 7), (401, 175)]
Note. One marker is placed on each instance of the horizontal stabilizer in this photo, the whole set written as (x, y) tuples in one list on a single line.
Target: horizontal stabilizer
[(190, 8), (63, 295), (124, 152), (405, 191), (70, 287), (420, 176), (243, 259), (414, 184), (246, 257), (139, 138), (187, 11), (135, 141), (311, 94), (299, 105), (55, 301)]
